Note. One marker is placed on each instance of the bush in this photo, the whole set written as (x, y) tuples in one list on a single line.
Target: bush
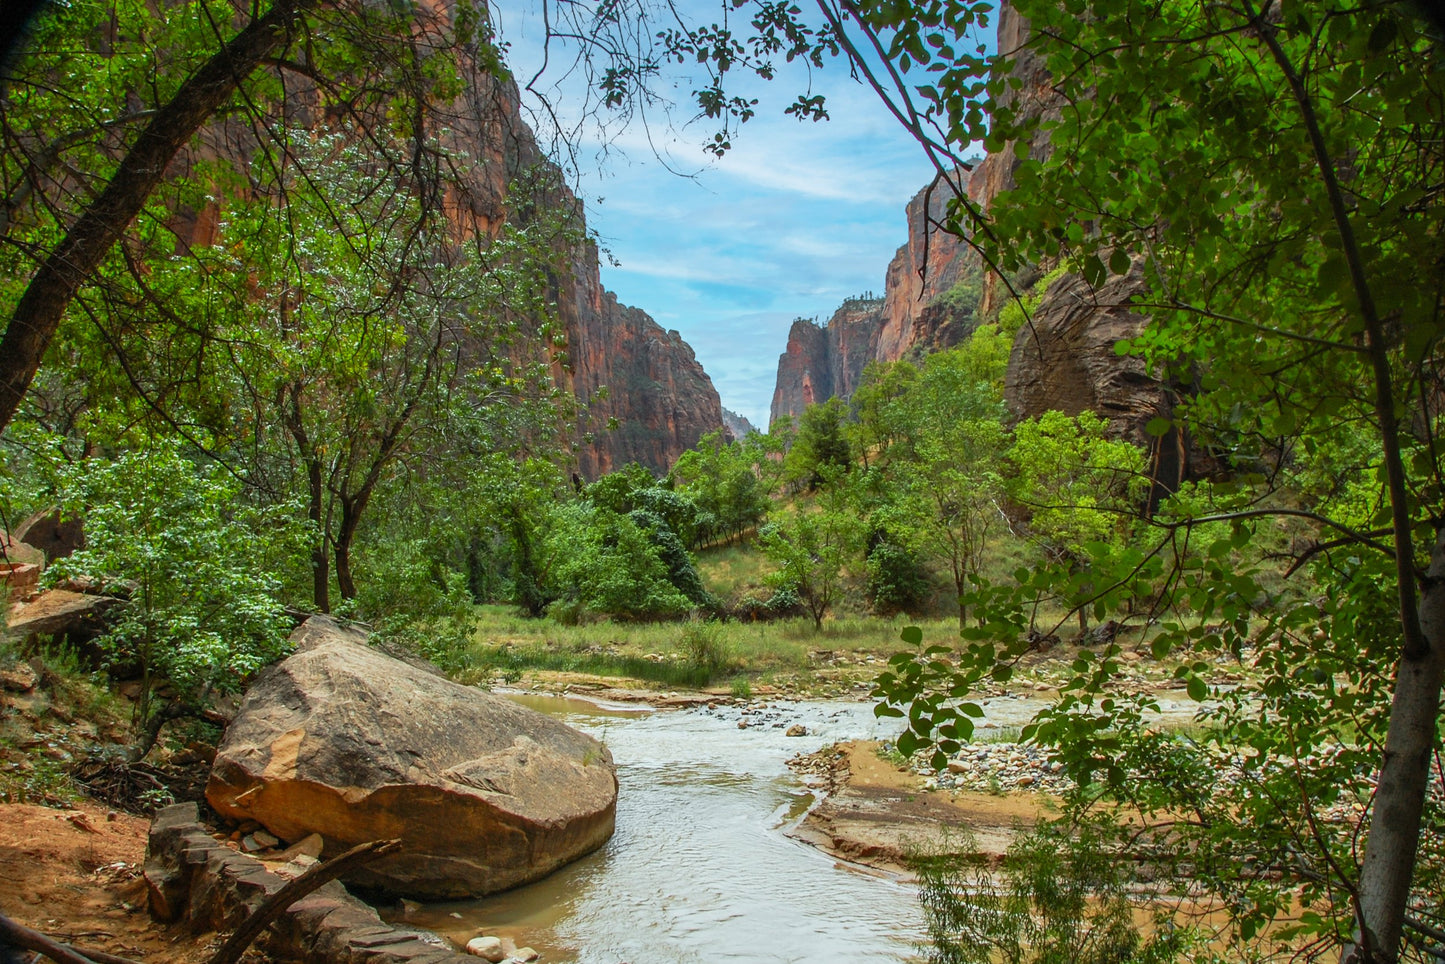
[(175, 539), (703, 646), (897, 580), (1064, 895)]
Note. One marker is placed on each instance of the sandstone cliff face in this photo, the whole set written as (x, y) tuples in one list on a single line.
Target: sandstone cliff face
[(737, 425), (658, 396), (1064, 360), (910, 319), (821, 362), (658, 402)]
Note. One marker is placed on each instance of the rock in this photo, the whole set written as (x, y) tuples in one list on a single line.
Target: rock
[(18, 552), (20, 678), (797, 729), (737, 425), (75, 617), (309, 846), (54, 536), (526, 955), (342, 740), (659, 394), (19, 580), (487, 948)]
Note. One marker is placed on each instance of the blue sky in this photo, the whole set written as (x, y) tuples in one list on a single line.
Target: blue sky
[(796, 218)]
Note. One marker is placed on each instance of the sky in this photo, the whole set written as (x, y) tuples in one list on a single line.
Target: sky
[(794, 219)]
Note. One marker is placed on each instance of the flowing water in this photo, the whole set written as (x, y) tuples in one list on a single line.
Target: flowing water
[(700, 868)]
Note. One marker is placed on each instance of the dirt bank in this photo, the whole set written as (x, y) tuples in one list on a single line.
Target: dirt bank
[(75, 875), (875, 813)]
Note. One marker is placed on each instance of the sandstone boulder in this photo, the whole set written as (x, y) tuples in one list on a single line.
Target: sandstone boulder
[(342, 740), (73, 617), (55, 535)]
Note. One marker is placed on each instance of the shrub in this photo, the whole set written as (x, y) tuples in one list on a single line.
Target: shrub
[(897, 580), (174, 538)]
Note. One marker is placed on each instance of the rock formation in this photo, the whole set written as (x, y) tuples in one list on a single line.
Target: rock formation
[(911, 318), (342, 740), (1064, 360), (658, 402), (658, 396), (737, 425)]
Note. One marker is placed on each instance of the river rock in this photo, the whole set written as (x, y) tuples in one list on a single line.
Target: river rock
[(487, 948), (346, 742)]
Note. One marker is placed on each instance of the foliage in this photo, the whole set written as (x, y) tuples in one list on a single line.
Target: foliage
[(720, 479), (813, 547), (1080, 486), (173, 539), (897, 579), (608, 564), (820, 448), (1063, 895)]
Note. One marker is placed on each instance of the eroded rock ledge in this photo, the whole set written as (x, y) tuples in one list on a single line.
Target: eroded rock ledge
[(191, 877)]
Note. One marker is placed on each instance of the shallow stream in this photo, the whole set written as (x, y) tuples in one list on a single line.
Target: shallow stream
[(701, 868)]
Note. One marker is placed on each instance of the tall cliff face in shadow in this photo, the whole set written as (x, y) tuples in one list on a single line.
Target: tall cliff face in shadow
[(658, 400)]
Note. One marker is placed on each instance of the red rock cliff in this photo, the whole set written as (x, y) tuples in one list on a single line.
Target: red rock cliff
[(658, 399), (911, 318)]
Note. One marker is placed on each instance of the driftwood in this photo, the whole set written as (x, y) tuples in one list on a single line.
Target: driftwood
[(274, 905), (18, 935)]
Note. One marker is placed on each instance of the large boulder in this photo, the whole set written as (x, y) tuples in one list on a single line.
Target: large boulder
[(54, 534), (342, 740)]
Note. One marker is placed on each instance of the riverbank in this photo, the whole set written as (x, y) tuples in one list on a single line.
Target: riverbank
[(875, 812)]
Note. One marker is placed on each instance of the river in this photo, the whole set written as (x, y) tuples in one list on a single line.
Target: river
[(700, 869)]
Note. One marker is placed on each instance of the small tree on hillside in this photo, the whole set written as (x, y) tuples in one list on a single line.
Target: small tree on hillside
[(813, 547)]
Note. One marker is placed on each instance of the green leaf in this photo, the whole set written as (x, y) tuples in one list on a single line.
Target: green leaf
[(1198, 689), (912, 635)]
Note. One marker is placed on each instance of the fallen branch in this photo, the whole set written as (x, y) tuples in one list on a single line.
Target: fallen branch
[(18, 935), (274, 905)]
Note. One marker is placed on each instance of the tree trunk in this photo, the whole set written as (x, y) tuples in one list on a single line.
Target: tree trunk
[(345, 536), (1394, 835), (37, 316), (320, 560)]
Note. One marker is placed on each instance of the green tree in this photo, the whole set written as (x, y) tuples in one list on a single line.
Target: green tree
[(1275, 169), (950, 470), (604, 562), (720, 478), (813, 547), (820, 448), (175, 540)]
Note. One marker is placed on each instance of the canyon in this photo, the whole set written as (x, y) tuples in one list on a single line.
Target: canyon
[(937, 290)]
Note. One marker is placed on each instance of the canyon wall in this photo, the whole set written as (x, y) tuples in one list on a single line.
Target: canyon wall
[(913, 317), (658, 400), (1063, 359)]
